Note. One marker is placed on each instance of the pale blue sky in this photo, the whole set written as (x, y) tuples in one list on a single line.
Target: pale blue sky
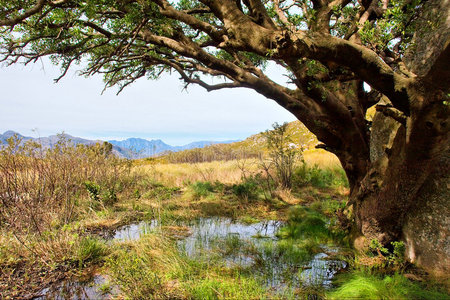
[(29, 100)]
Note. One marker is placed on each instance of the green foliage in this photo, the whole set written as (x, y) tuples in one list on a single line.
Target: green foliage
[(134, 276), (396, 22), (109, 197), (202, 188), (398, 253), (305, 223), (162, 192), (218, 288), (98, 195), (319, 177), (93, 190), (368, 286), (376, 246), (90, 250), (247, 189), (394, 258)]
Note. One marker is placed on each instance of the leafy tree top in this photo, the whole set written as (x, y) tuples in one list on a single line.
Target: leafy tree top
[(328, 49)]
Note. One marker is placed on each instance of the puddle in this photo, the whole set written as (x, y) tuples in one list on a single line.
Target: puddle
[(321, 270), (76, 290), (252, 246), (210, 233), (281, 265), (133, 231)]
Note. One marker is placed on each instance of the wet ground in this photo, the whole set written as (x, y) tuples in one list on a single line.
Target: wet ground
[(279, 265)]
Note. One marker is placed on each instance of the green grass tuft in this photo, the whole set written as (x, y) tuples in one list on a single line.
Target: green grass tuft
[(368, 286), (90, 250)]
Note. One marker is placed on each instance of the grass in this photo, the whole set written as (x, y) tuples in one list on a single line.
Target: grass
[(90, 250), (227, 288), (65, 242), (153, 267), (363, 285), (179, 175)]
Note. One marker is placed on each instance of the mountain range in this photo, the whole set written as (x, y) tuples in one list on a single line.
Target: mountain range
[(131, 148)]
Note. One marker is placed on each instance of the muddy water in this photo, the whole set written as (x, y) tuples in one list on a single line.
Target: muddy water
[(254, 247)]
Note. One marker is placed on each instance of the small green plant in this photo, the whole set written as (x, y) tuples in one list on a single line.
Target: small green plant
[(376, 248), (93, 190), (136, 194), (105, 288), (245, 190), (90, 250), (394, 258), (109, 197), (202, 188), (163, 192), (398, 253), (319, 177)]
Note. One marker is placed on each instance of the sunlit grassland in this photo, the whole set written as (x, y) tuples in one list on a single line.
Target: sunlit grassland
[(181, 174), (227, 172), (321, 158), (60, 206)]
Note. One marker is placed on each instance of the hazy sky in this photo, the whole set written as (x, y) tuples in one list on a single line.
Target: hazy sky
[(33, 105)]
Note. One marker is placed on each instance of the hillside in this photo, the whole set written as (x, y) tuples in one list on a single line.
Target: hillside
[(253, 146)]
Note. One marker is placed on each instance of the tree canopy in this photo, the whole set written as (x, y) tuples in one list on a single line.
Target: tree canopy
[(328, 49)]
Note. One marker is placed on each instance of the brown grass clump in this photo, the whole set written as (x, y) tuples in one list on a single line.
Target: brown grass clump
[(41, 188)]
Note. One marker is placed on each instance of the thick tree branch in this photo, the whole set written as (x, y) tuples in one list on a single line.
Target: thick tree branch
[(259, 13), (30, 12), (170, 12)]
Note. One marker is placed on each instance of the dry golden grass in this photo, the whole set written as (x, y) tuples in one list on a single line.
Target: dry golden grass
[(321, 158), (227, 172)]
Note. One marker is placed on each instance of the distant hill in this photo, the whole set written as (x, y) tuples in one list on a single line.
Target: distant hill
[(131, 148), (141, 148), (50, 141)]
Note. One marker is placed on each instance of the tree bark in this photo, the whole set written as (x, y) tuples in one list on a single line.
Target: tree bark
[(404, 194)]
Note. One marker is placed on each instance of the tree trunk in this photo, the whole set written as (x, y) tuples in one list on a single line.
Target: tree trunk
[(405, 192)]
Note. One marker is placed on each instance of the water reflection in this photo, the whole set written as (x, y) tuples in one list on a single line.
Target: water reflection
[(76, 289), (282, 265)]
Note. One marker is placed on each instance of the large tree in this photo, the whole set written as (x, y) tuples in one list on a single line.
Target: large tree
[(330, 51)]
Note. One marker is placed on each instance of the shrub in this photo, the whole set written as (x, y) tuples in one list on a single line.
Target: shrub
[(283, 153), (246, 190), (93, 190), (391, 258), (109, 197), (38, 184), (202, 188)]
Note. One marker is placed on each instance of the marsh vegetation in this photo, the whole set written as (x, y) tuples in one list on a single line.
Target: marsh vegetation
[(77, 222)]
